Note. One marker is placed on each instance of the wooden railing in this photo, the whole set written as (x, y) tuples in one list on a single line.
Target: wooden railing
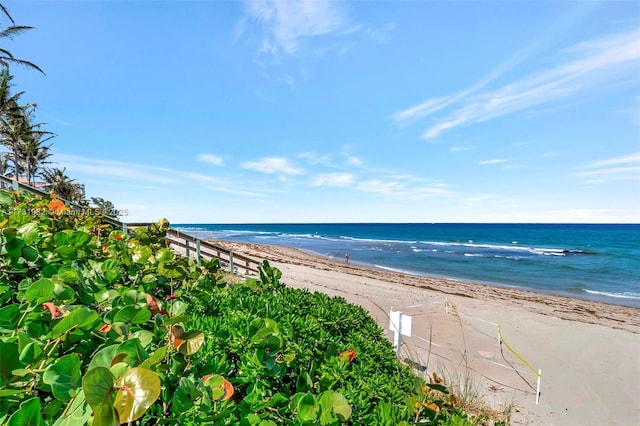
[(180, 242), (195, 247)]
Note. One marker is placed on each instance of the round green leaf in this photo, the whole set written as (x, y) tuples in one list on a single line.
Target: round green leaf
[(193, 341), (98, 386), (9, 317), (30, 353), (41, 290), (64, 377), (28, 414), (132, 314), (30, 254), (69, 274), (307, 408), (30, 233), (164, 255), (139, 388), (141, 254)]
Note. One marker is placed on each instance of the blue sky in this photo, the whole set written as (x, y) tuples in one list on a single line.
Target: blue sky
[(338, 111)]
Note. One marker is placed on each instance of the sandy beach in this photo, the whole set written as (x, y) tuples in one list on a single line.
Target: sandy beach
[(588, 352)]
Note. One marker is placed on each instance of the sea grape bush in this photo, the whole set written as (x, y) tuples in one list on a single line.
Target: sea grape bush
[(104, 327)]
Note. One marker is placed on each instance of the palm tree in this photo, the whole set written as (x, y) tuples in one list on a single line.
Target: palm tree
[(15, 130), (33, 153), (10, 32), (62, 185)]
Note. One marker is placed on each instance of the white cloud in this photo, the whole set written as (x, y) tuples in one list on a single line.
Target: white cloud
[(138, 173), (210, 158), (591, 64), (625, 159), (288, 24), (333, 179), (314, 158), (269, 165), (493, 161), (626, 167)]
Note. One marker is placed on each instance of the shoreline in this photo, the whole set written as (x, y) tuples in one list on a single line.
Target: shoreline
[(594, 298), (564, 307), (587, 351)]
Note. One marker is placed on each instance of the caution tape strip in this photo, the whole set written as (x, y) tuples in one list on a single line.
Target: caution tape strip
[(516, 353)]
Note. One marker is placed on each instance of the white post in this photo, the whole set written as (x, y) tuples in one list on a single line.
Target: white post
[(231, 262), (538, 387), (198, 251), (397, 337), (187, 247)]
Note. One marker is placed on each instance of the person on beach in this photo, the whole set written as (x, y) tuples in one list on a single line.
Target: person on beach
[(346, 258)]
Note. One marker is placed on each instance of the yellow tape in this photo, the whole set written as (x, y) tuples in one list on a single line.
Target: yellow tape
[(516, 353)]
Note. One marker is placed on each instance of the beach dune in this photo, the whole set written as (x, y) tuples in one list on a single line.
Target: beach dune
[(588, 352)]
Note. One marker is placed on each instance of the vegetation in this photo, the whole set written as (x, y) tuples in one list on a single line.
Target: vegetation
[(101, 327)]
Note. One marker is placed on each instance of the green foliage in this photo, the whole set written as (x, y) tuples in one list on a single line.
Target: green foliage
[(102, 327)]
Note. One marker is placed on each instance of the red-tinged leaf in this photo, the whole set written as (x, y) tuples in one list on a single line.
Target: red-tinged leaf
[(348, 355), (221, 387), (105, 328), (175, 336), (152, 304), (433, 406), (171, 297), (55, 311)]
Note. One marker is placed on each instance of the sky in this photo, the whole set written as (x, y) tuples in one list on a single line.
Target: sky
[(341, 111)]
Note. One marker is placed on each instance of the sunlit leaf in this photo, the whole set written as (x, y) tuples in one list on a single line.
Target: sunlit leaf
[(139, 388), (40, 290), (192, 343)]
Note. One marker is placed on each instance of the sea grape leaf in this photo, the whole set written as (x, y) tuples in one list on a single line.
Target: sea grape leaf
[(30, 233), (30, 353), (28, 414), (9, 317), (64, 377), (79, 238), (141, 254), (164, 255), (192, 342), (9, 360), (307, 408), (338, 404), (134, 353), (111, 270), (139, 389), (78, 413), (69, 274), (41, 291), (104, 357), (99, 391), (132, 314), (82, 318)]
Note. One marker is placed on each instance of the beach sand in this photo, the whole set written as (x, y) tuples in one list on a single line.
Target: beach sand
[(589, 352)]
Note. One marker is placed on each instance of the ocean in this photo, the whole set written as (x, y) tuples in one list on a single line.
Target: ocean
[(595, 262)]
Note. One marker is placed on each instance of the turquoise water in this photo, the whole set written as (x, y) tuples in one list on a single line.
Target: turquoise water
[(596, 262)]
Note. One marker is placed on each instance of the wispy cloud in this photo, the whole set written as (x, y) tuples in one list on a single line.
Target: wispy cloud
[(493, 161), (588, 65), (404, 189), (139, 173), (212, 159), (273, 165), (333, 179), (287, 25), (625, 167)]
